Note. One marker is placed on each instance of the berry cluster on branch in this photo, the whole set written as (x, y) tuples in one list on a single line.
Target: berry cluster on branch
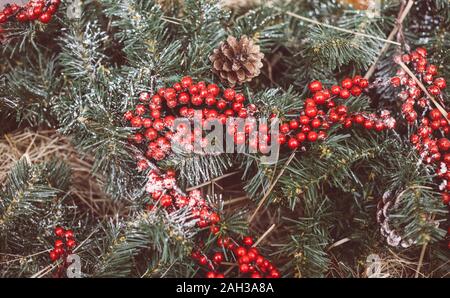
[(321, 111), (63, 247), (34, 10), (430, 137), (164, 193)]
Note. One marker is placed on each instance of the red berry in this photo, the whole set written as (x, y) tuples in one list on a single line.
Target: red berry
[(170, 94), (432, 69), (363, 83), (53, 256), (435, 114), (166, 200), (347, 83), (193, 89), (440, 82), (335, 90), (344, 94), (151, 134), (304, 120), (315, 123), (293, 143), (301, 137), (221, 104), (315, 86), (71, 243), (210, 274), (293, 124), (58, 243), (244, 260), (68, 234), (214, 217), (59, 231), (140, 110), (312, 136), (274, 274), (421, 51), (241, 251), (368, 124), (136, 121), (311, 112), (229, 94), (445, 198), (142, 164), (319, 98), (356, 91), (248, 241), (183, 98), (244, 268), (147, 122), (239, 98), (186, 82), (395, 81), (284, 128), (218, 257), (443, 144), (3, 18), (177, 87), (341, 110), (433, 89), (45, 17), (213, 89)]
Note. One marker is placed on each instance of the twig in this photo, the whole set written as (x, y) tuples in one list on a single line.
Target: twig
[(264, 235), (422, 254), (337, 28), (266, 195), (212, 180), (235, 200), (411, 74), (402, 15)]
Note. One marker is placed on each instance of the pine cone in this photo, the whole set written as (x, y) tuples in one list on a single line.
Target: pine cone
[(237, 61)]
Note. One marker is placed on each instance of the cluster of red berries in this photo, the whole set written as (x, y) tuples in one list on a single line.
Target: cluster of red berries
[(321, 112), (63, 245), (412, 94), (164, 192), (249, 260), (34, 10), (430, 138), (155, 115)]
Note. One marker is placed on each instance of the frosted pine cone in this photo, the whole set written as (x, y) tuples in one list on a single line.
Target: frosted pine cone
[(237, 61)]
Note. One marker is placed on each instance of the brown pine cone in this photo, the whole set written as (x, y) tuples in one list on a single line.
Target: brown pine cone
[(237, 61)]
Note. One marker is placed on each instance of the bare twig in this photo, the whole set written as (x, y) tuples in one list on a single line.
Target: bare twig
[(212, 180), (422, 255), (339, 29), (401, 16), (264, 235)]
